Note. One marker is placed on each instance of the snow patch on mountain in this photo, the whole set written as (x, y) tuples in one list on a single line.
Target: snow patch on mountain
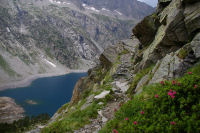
[(50, 63), (104, 9), (118, 12), (90, 8), (59, 2)]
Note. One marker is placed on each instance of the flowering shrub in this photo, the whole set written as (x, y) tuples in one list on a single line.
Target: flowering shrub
[(170, 106)]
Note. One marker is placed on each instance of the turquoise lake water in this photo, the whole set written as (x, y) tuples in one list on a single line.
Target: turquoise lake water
[(50, 93)]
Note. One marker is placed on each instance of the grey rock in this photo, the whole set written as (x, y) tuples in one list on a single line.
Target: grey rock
[(131, 44), (123, 86), (102, 95), (144, 81), (146, 29), (192, 18), (166, 69), (195, 44)]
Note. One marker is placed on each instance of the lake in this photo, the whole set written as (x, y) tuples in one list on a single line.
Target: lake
[(44, 95)]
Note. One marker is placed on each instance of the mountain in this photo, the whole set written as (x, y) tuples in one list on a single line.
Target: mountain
[(129, 8), (51, 36), (148, 83)]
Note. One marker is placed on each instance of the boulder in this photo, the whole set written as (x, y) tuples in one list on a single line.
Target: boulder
[(166, 69), (123, 86), (102, 95), (146, 29)]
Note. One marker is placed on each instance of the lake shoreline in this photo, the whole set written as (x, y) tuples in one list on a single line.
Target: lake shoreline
[(27, 81)]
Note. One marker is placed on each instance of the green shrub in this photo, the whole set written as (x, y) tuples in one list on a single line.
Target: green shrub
[(182, 53), (73, 120), (180, 114)]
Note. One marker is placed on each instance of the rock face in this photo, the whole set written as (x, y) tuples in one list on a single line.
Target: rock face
[(163, 47), (146, 29), (76, 91), (9, 110), (196, 45)]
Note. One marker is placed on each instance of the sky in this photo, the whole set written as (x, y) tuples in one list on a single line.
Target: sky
[(153, 3)]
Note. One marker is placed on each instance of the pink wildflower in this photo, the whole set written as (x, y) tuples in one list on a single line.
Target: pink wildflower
[(172, 96), (142, 112), (162, 82), (189, 73), (195, 86), (174, 82), (156, 96), (172, 123), (172, 93), (179, 84), (115, 110), (115, 131), (126, 119), (135, 122)]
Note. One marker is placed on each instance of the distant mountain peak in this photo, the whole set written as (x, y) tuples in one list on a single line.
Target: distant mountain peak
[(129, 8)]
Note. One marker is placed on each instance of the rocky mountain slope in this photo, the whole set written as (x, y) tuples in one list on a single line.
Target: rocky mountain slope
[(146, 71), (129, 8), (51, 36)]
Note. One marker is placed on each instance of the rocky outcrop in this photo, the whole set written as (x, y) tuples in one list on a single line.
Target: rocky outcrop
[(192, 16), (80, 86), (9, 110), (173, 33), (146, 29)]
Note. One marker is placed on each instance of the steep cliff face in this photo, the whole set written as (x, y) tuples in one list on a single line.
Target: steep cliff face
[(163, 47), (49, 36)]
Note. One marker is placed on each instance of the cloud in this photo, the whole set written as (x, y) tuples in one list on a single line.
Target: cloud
[(152, 3)]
